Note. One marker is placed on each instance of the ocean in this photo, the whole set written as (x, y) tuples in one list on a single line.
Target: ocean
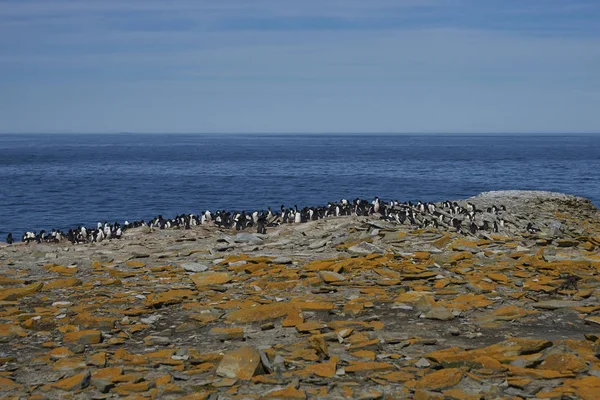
[(66, 180)]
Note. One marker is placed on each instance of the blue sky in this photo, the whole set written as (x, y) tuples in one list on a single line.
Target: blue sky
[(300, 66)]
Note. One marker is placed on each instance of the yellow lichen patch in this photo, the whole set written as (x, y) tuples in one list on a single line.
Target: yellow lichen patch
[(468, 301), (259, 313), (17, 293), (508, 313), (442, 379)]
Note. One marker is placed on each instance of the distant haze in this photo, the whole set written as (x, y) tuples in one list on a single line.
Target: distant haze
[(300, 66)]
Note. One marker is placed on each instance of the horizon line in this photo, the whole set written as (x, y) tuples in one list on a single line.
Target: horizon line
[(301, 133)]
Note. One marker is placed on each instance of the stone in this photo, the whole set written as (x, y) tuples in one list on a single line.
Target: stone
[(75, 382), (61, 283), (567, 243), (593, 320), (368, 366), (128, 388), (259, 313), (227, 333), (289, 392), (17, 293), (564, 362), (83, 337), (366, 248), (194, 267), (422, 363), (442, 379), (9, 331), (60, 352), (556, 304), (331, 277), (309, 326), (243, 363), (106, 378), (325, 369), (97, 360), (204, 279), (9, 385), (248, 238), (317, 244), (439, 313)]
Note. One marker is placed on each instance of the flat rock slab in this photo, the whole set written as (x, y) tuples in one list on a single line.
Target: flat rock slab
[(194, 267), (242, 363), (556, 304), (366, 248)]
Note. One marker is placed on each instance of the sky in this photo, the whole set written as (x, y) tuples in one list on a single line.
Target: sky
[(278, 66)]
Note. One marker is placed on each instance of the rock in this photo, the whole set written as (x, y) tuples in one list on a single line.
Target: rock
[(442, 379), (153, 340), (282, 260), (366, 248), (243, 363), (331, 277), (567, 243), (194, 267), (128, 388), (288, 393), (9, 385), (317, 244), (9, 331), (422, 363), (14, 294), (204, 279), (227, 333), (267, 326), (76, 382), (593, 320), (83, 337), (105, 379), (556, 304), (454, 331), (368, 366), (248, 238), (60, 352), (260, 313), (439, 313)]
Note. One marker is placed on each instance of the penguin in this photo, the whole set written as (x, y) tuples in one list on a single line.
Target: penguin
[(9, 239), (260, 225), (376, 205), (297, 215), (470, 207), (206, 218), (531, 228), (473, 228), (431, 208)]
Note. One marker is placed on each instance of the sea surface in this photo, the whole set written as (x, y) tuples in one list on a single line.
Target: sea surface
[(66, 180)]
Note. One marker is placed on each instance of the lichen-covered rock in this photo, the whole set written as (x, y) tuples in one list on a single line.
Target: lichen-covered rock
[(242, 363)]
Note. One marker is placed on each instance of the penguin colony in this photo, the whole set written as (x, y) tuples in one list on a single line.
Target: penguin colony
[(446, 216)]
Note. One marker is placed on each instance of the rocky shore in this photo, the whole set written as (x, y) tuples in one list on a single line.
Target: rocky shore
[(341, 308)]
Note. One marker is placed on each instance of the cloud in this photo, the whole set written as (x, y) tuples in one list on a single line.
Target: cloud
[(314, 65)]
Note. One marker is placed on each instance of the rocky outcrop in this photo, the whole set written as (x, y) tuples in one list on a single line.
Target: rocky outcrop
[(348, 307)]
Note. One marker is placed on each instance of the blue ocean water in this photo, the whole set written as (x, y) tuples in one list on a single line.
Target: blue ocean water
[(62, 181)]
